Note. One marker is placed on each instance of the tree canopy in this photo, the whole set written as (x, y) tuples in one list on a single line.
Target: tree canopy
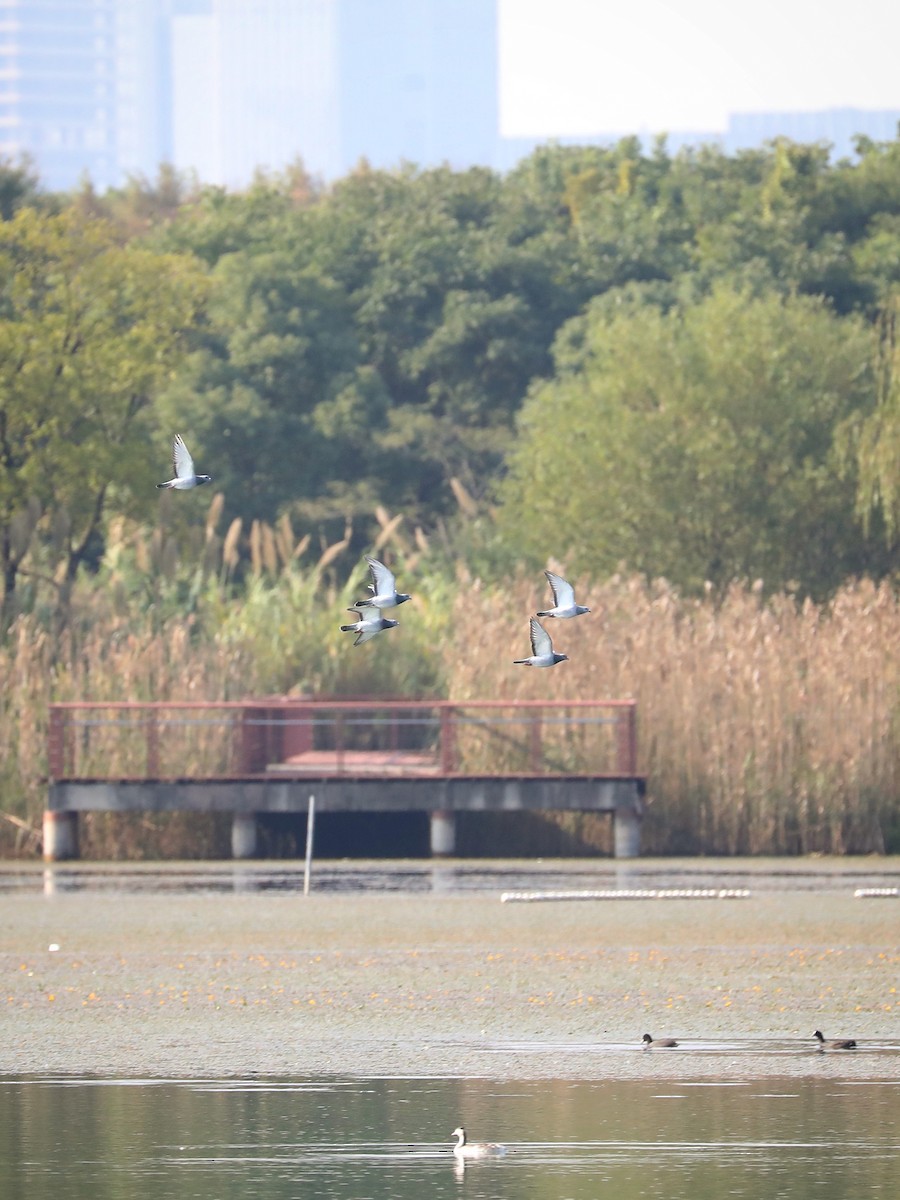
[(395, 341), (698, 444), (89, 329)]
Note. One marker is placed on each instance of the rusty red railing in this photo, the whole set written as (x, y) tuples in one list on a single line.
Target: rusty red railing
[(288, 737)]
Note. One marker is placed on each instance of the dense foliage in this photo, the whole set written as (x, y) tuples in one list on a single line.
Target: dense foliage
[(681, 366), (374, 343), (697, 444)]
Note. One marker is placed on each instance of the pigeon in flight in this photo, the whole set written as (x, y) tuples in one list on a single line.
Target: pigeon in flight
[(383, 588), (542, 652), (563, 599), (369, 623), (185, 476)]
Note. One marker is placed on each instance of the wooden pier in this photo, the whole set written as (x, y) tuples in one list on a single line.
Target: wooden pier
[(269, 756)]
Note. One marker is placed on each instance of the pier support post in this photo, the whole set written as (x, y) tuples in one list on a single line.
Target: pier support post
[(243, 835), (443, 833), (626, 833), (60, 835)]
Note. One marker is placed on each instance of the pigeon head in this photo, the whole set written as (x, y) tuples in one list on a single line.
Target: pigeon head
[(204, 479), (402, 597)]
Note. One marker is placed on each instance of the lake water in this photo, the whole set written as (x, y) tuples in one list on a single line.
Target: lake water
[(819, 1136), (455, 877), (364, 1139)]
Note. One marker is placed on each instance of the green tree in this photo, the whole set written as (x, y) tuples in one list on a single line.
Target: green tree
[(873, 438), (18, 186), (273, 389), (89, 329), (697, 444), (372, 343)]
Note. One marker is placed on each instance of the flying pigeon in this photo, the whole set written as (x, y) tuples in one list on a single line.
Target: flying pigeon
[(563, 599), (185, 476), (370, 622), (383, 588), (542, 652)]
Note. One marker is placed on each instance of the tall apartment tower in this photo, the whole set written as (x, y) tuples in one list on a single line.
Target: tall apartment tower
[(79, 88), (418, 81), (254, 87), (108, 88), (259, 83)]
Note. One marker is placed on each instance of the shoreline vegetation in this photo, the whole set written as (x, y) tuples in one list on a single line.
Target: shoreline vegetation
[(672, 377), (766, 724)]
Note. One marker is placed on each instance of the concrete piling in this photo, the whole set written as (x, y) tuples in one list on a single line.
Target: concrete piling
[(60, 835), (443, 833), (244, 835)]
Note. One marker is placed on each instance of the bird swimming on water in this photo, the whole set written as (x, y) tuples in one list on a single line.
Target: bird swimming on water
[(840, 1044), (383, 588), (563, 599), (542, 652), (466, 1149), (652, 1041), (370, 621), (185, 475)]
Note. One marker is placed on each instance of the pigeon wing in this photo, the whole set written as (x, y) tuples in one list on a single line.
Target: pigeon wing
[(563, 593), (181, 459), (365, 610), (366, 634), (382, 579), (540, 639)]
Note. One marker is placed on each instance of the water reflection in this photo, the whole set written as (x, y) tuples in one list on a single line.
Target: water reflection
[(449, 878), (277, 1139)]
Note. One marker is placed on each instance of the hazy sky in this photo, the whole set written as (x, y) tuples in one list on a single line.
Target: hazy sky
[(594, 66)]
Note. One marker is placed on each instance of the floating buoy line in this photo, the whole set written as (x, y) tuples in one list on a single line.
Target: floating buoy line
[(630, 894)]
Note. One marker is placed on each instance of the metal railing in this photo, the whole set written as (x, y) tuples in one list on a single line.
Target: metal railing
[(325, 737)]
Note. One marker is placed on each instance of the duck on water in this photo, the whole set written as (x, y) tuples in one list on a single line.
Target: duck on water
[(652, 1041)]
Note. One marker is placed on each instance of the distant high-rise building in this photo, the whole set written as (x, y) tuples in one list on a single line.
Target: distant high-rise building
[(254, 86), (79, 88), (837, 126), (223, 88), (259, 83), (418, 80), (109, 88)]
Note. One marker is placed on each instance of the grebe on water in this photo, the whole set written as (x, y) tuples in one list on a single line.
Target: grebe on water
[(464, 1149)]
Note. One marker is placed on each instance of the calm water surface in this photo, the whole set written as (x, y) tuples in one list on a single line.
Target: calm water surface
[(365, 1139)]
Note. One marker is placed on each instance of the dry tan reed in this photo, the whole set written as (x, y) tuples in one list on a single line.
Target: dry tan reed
[(108, 663), (765, 726)]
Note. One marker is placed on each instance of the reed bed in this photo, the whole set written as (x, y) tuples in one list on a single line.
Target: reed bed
[(766, 726), (106, 662), (508, 740), (165, 620)]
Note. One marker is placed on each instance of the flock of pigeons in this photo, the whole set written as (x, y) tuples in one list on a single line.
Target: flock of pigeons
[(384, 595), (369, 613)]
